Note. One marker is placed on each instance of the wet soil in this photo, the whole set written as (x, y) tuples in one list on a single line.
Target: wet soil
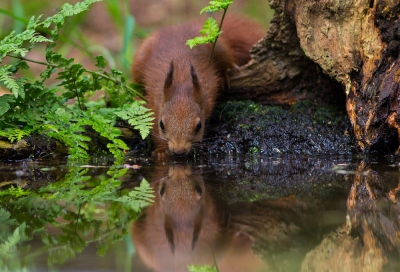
[(245, 127), (237, 128)]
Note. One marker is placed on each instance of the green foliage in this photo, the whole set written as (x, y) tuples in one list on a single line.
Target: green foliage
[(142, 193), (137, 116), (217, 6), (210, 30), (15, 134), (5, 218), (202, 268), (63, 112), (9, 241), (5, 101), (8, 250), (83, 206), (8, 247)]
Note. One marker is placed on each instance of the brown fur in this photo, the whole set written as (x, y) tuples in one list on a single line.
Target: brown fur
[(169, 70), (182, 227)]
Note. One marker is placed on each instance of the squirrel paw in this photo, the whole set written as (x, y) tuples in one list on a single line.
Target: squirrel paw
[(160, 154)]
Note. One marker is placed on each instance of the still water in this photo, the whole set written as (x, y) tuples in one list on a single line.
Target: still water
[(231, 214)]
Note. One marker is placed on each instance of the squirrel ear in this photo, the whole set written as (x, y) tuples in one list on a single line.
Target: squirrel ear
[(168, 82), (169, 233), (196, 84), (195, 79), (197, 228)]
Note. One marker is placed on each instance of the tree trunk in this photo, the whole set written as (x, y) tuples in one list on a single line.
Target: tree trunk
[(314, 45)]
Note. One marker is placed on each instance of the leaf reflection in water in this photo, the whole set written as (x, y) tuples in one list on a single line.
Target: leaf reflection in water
[(67, 215)]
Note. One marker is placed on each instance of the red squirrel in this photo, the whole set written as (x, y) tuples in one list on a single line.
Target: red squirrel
[(183, 227), (182, 84)]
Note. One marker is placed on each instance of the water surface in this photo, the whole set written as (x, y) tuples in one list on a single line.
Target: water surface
[(255, 213)]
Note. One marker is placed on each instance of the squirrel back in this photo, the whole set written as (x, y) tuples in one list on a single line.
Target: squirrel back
[(239, 34), (182, 84)]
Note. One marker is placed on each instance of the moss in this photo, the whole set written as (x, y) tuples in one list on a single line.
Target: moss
[(245, 127)]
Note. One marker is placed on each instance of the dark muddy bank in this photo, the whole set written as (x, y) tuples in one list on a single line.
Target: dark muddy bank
[(305, 128), (248, 128), (235, 128)]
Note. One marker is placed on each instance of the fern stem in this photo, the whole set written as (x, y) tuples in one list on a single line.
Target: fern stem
[(87, 71), (33, 61), (78, 98), (117, 82), (219, 29)]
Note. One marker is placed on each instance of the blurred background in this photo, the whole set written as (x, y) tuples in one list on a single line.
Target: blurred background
[(113, 28)]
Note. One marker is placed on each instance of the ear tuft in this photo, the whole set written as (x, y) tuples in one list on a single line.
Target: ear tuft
[(196, 85), (195, 79), (168, 82)]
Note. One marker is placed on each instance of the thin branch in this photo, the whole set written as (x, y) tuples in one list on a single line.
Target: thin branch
[(219, 29), (116, 82), (100, 74), (34, 61)]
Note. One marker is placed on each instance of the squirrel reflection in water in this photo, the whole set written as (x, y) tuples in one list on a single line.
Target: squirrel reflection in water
[(182, 227)]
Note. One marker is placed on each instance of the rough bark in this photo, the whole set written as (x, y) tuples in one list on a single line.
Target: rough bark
[(280, 73), (355, 43)]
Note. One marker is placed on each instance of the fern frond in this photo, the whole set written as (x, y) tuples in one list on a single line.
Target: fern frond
[(5, 101), (5, 217), (13, 44), (13, 134), (217, 6), (8, 247), (15, 86), (210, 32), (137, 116), (105, 129), (139, 197), (67, 10), (68, 131)]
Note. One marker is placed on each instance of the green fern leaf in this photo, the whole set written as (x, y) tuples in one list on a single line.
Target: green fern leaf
[(15, 134), (139, 197), (67, 10), (5, 101), (5, 217), (210, 32), (8, 247), (217, 6), (137, 116), (15, 86)]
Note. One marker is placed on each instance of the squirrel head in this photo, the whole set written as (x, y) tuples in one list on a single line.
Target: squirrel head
[(181, 225), (182, 118)]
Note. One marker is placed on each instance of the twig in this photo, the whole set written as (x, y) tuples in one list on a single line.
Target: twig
[(219, 30), (87, 71)]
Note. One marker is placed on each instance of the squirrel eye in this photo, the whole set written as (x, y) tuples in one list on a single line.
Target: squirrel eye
[(162, 125), (199, 190), (162, 191), (198, 127)]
